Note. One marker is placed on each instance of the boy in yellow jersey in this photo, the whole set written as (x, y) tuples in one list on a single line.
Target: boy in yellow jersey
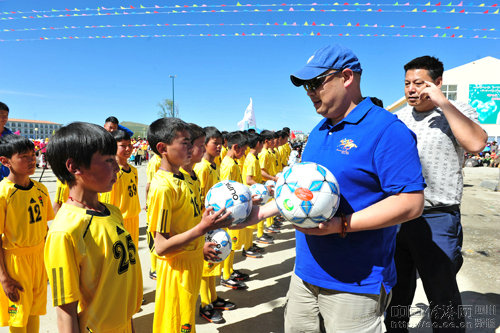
[(208, 174), (224, 148), (153, 166), (178, 228), (25, 208), (124, 192), (62, 193), (268, 168), (253, 175), (230, 170), (90, 258)]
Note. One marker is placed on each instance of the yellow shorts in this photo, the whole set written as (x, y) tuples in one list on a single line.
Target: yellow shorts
[(177, 289), (132, 226), (125, 329), (238, 237), (210, 269), (26, 266)]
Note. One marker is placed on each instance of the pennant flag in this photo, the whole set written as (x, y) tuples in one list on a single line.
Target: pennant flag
[(248, 118)]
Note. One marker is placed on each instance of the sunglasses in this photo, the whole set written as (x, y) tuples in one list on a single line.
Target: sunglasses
[(313, 84)]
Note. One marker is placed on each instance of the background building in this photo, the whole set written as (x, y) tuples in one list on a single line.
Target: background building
[(33, 129), (476, 83)]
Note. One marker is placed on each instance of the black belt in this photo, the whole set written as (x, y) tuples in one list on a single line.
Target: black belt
[(441, 209)]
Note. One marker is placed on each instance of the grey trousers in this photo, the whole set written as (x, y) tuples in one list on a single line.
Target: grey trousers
[(311, 309)]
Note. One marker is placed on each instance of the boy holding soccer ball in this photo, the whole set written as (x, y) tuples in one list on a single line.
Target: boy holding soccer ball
[(178, 227)]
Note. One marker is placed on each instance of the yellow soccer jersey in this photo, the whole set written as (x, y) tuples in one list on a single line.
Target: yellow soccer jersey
[(223, 153), (229, 170), (153, 166), (277, 160), (266, 162), (124, 193), (208, 176), (172, 208), (194, 188), (91, 259), (62, 192), (24, 212), (252, 168)]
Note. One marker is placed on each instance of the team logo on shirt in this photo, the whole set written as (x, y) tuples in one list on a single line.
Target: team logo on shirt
[(186, 328), (12, 310), (40, 199), (235, 239), (346, 145)]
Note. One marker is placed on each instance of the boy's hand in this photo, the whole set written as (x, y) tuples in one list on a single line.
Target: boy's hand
[(11, 287), (209, 251), (256, 200), (215, 220), (270, 189)]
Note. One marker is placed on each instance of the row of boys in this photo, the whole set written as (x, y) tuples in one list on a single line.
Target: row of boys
[(87, 281)]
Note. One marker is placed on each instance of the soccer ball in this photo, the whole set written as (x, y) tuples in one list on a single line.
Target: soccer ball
[(307, 194), (270, 182), (261, 192), (233, 196), (224, 244)]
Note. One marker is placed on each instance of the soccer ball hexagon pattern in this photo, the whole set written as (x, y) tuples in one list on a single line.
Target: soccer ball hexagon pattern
[(307, 194), (233, 196), (261, 192), (224, 244)]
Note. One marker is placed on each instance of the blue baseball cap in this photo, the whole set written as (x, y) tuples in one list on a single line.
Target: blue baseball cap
[(330, 57)]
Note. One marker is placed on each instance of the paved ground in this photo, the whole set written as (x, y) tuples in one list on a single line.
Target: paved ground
[(260, 308)]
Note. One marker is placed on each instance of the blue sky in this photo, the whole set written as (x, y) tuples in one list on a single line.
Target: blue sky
[(89, 79)]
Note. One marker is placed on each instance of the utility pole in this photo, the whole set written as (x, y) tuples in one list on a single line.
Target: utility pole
[(173, 94)]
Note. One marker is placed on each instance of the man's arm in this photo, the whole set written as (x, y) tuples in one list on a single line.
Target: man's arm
[(468, 133), (392, 210)]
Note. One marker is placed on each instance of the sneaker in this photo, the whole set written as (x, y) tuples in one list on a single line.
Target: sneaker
[(239, 276), (222, 304), (233, 284), (273, 229), (257, 248), (265, 240), (251, 253), (152, 275), (209, 313)]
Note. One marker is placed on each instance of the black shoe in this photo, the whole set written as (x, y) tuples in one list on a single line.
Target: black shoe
[(257, 248), (239, 276), (250, 253), (233, 284), (264, 240), (273, 229), (222, 304), (209, 313), (152, 275)]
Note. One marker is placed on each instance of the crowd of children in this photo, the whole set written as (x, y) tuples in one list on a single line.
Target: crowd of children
[(92, 243)]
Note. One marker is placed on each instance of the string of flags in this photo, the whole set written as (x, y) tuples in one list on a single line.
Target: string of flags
[(243, 34), (238, 4), (267, 24)]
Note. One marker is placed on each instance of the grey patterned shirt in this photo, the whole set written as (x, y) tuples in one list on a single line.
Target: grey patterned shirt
[(440, 154)]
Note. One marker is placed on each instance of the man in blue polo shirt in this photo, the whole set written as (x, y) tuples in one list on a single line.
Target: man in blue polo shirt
[(344, 269), (4, 117)]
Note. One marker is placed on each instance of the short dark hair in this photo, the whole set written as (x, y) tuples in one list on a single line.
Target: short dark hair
[(212, 133), (236, 138), (11, 144), (254, 139), (111, 119), (251, 130), (196, 132), (432, 64), (165, 130), (267, 135), (120, 135), (277, 135), (377, 101), (4, 107), (286, 129), (78, 141)]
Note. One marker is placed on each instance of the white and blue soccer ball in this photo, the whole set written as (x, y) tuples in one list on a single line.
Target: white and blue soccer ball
[(223, 241), (270, 182), (261, 192), (233, 196), (307, 194)]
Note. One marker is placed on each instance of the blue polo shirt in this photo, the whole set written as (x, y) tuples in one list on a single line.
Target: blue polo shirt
[(373, 155)]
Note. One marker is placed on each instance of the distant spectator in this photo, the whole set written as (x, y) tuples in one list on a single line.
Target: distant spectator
[(4, 117), (112, 124), (494, 147)]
